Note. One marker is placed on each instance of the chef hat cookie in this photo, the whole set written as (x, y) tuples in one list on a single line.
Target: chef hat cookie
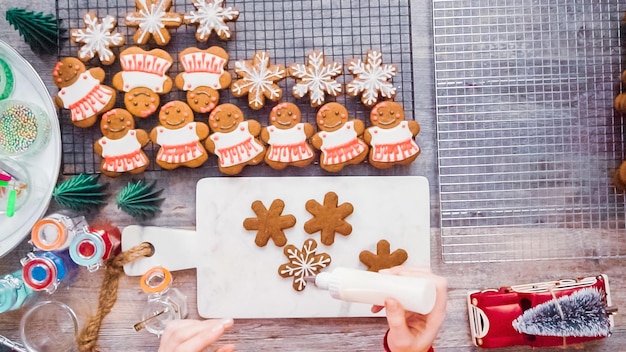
[(204, 74), (142, 79)]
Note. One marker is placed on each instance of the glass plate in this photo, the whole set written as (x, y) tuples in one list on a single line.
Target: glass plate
[(42, 167)]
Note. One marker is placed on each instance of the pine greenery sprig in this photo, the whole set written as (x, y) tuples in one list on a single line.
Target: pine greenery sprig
[(80, 193), (41, 32), (139, 199)]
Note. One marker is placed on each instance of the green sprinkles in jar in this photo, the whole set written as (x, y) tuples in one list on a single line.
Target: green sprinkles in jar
[(18, 128)]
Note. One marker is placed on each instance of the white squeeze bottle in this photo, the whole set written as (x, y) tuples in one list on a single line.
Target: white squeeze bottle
[(416, 294)]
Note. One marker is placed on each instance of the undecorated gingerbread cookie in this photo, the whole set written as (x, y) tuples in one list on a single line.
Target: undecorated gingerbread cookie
[(391, 136), (179, 137), (329, 218), (371, 78), (383, 258), (204, 75), (211, 16), (81, 91), (152, 19), (287, 138), (302, 263), (97, 38), (269, 223), (234, 139), (121, 144), (339, 138), (258, 80)]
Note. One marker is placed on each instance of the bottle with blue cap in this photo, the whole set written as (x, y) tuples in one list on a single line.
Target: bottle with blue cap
[(14, 293), (44, 271)]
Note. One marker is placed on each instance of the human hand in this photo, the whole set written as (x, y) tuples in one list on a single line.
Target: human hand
[(409, 331), (189, 335)]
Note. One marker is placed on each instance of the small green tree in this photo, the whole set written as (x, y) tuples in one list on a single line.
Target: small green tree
[(41, 32)]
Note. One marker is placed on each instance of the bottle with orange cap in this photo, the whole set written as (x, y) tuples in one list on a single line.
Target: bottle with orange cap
[(165, 302), (56, 231), (93, 246)]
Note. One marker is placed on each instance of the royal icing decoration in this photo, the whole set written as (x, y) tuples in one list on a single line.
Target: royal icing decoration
[(316, 78), (392, 144), (258, 80), (341, 145), (288, 146), (202, 69), (124, 154), (236, 147), (97, 38), (371, 78), (302, 263), (180, 145), (144, 70), (151, 18), (86, 97), (211, 15)]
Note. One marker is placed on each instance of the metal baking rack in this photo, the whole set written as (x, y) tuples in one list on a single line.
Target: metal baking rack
[(528, 140), (287, 30)]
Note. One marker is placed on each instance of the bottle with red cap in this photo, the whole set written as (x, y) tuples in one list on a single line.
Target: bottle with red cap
[(95, 245), (44, 271), (56, 231)]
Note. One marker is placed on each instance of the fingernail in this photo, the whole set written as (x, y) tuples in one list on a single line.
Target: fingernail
[(227, 322)]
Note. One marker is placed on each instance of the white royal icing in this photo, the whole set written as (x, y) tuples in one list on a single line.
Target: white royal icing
[(236, 147), (200, 79), (288, 145), (316, 78), (135, 79), (392, 144), (97, 38), (126, 151), (258, 80), (211, 16), (86, 97), (152, 19), (371, 78)]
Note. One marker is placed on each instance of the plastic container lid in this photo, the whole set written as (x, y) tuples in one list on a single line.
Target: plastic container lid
[(7, 81), (48, 234), (87, 249), (24, 128), (155, 280)]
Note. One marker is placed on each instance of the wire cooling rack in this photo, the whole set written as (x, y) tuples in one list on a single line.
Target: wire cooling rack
[(287, 30), (527, 137)]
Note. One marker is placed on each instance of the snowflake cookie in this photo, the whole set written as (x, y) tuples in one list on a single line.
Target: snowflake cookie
[(210, 16), (258, 80), (152, 19), (269, 223), (383, 258), (328, 218), (97, 38), (316, 78), (371, 78), (302, 263)]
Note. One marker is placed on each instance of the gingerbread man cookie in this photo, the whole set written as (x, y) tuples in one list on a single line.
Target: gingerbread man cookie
[(211, 16), (81, 91), (153, 19), (258, 80), (339, 138), (179, 136), (97, 38), (121, 146), (142, 79), (234, 139), (391, 136), (204, 75), (371, 78), (287, 138)]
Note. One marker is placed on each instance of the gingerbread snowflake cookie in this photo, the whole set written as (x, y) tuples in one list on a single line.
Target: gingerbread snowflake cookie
[(152, 19), (258, 80), (302, 263), (316, 78), (211, 16), (269, 223), (383, 258), (328, 218), (97, 38), (371, 78)]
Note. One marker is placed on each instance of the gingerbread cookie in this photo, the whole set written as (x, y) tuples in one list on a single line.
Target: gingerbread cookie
[(269, 223), (121, 146), (328, 218), (619, 178), (287, 138), (97, 38), (258, 80), (179, 136), (371, 78), (81, 91), (234, 139), (302, 263), (316, 78), (204, 75), (152, 19), (383, 258), (391, 136), (142, 79), (211, 16), (339, 138)]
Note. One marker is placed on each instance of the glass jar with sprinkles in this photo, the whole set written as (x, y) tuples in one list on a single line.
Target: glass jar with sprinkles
[(24, 128)]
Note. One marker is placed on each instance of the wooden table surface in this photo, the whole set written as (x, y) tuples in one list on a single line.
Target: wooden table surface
[(346, 334)]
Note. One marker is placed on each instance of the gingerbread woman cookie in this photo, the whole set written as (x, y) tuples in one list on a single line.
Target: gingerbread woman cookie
[(121, 146), (234, 139), (287, 138), (81, 91), (211, 16), (258, 80), (204, 75), (179, 136), (153, 19), (142, 79), (371, 78), (391, 136), (97, 38), (339, 138)]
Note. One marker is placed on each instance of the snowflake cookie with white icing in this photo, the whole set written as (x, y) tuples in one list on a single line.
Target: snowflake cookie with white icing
[(153, 19), (302, 263), (258, 80), (211, 16), (371, 78), (316, 78), (97, 38)]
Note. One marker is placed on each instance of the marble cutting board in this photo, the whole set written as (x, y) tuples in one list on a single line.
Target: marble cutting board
[(238, 279)]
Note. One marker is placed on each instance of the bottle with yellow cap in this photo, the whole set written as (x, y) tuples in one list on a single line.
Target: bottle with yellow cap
[(56, 231), (165, 302)]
